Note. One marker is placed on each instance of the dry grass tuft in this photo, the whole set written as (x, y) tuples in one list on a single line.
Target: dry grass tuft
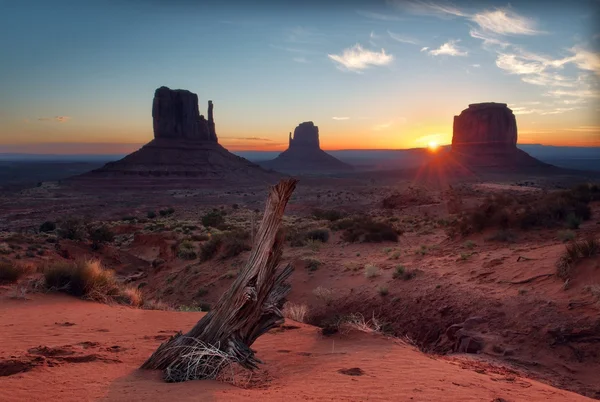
[(295, 312), (11, 272), (89, 280), (574, 252), (371, 271)]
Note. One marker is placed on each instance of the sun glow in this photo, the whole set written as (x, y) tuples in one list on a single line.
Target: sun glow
[(433, 146)]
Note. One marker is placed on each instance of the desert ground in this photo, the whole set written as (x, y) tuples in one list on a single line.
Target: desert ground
[(482, 290)]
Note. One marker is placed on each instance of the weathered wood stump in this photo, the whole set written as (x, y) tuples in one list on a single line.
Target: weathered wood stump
[(250, 308)]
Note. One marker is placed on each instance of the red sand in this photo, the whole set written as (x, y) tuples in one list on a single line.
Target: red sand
[(96, 351)]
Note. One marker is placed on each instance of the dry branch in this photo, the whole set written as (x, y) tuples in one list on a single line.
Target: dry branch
[(247, 310)]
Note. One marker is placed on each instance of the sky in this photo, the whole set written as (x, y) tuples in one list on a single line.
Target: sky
[(79, 76)]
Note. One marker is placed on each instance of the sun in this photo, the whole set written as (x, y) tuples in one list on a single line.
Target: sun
[(433, 146)]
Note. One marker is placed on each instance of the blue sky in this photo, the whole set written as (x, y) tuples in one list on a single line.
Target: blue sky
[(370, 74)]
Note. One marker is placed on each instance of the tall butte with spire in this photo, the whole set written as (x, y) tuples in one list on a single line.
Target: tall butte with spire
[(304, 154), (185, 150)]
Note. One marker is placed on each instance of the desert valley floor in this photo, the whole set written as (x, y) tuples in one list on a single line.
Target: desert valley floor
[(481, 316)]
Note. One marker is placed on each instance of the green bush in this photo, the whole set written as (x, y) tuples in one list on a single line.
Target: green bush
[(101, 234), (213, 219), (72, 229), (366, 230), (331, 215), (317, 234), (227, 244), (47, 226), (151, 215), (11, 272), (187, 251)]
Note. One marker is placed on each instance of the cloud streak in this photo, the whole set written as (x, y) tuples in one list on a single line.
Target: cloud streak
[(402, 39), (357, 59), (504, 21), (340, 118), (448, 49), (59, 119)]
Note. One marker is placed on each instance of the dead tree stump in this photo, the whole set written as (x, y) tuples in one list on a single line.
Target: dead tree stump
[(250, 307)]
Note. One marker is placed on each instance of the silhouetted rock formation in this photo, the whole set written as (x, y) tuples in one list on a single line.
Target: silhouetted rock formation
[(485, 135), (304, 154), (185, 145), (484, 140), (492, 124), (306, 135)]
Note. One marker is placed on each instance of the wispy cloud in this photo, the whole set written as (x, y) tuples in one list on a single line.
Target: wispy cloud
[(476, 65), (300, 60), (488, 40), (576, 93), (402, 38), (382, 126), (60, 119), (449, 49), (357, 58), (424, 7), (290, 49), (378, 16), (340, 118), (424, 49), (504, 21), (585, 59), (304, 35)]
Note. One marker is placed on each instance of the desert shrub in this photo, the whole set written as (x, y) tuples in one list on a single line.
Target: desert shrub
[(72, 229), (371, 271), (323, 294), (200, 237), (404, 273), (503, 235), (11, 272), (318, 234), (565, 235), (470, 244), (195, 308), (342, 224), (101, 234), (528, 211), (295, 312), (128, 218), (331, 215), (88, 280), (47, 226), (574, 252), (312, 264), (383, 290), (228, 244), (213, 219), (151, 215), (573, 221), (210, 248), (366, 230), (155, 305), (187, 251), (130, 296)]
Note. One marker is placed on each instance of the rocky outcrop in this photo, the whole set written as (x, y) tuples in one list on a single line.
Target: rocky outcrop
[(485, 136), (306, 135), (485, 124), (175, 116), (304, 155), (185, 150)]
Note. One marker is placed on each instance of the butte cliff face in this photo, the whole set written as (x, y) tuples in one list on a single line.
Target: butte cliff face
[(485, 135), (304, 154), (485, 124), (484, 140), (185, 149), (175, 115)]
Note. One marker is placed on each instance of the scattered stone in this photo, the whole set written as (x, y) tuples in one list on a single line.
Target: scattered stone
[(355, 371)]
